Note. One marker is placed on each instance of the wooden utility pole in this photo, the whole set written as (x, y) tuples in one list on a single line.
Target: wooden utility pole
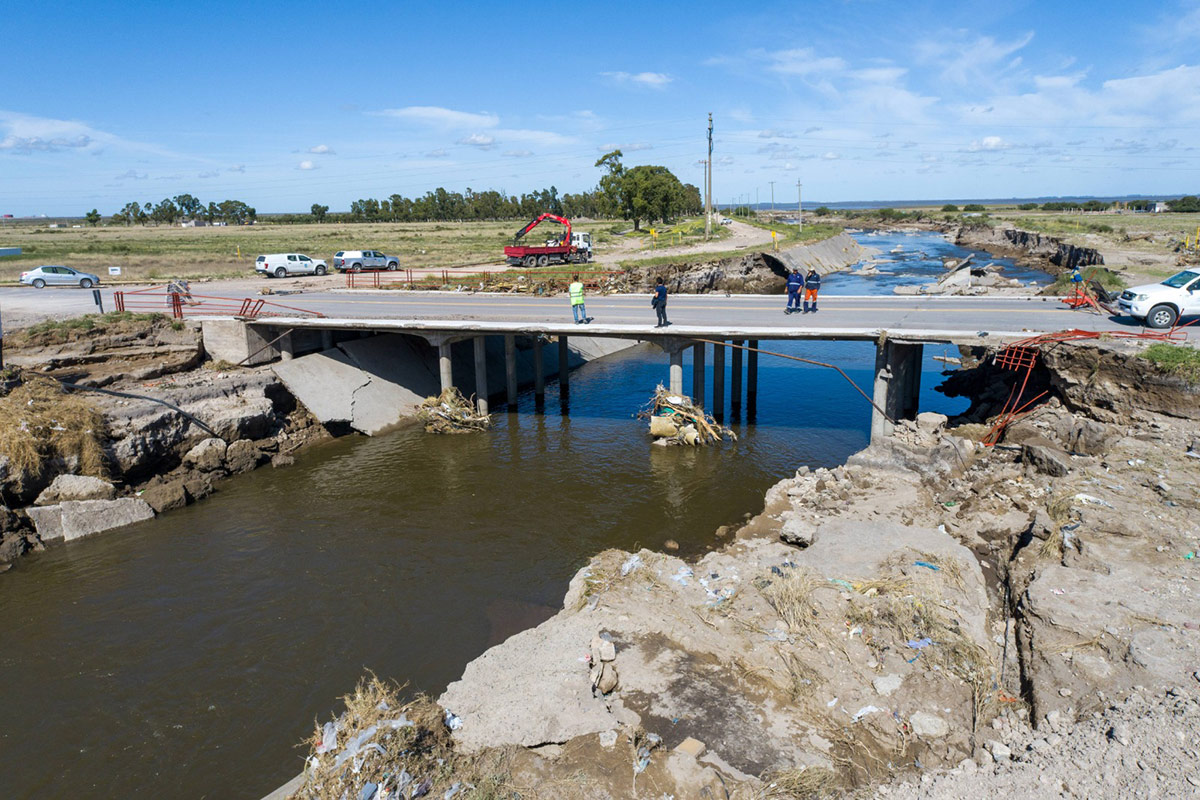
[(708, 192), (799, 207)]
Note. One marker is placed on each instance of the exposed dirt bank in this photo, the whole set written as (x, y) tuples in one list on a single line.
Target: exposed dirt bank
[(933, 604), (162, 435), (754, 273)]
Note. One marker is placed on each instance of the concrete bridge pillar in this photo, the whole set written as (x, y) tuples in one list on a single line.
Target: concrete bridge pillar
[(564, 367), (897, 384), (675, 348), (718, 404), (539, 371), (326, 340), (445, 365), (735, 388), (510, 368), (287, 349), (698, 373), (481, 384), (752, 379)]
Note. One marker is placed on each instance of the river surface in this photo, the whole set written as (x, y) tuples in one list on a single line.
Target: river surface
[(188, 656)]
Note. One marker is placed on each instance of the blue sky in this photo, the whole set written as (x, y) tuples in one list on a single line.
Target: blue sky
[(284, 105)]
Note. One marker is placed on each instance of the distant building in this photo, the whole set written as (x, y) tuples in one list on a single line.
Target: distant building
[(193, 223), (1159, 207)]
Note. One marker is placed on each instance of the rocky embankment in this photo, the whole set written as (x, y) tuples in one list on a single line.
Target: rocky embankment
[(1027, 248), (754, 273), (934, 610), (74, 464)]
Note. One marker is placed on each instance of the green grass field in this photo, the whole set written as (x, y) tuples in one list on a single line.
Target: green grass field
[(153, 253)]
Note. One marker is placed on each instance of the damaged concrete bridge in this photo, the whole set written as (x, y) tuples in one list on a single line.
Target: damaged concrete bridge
[(373, 358)]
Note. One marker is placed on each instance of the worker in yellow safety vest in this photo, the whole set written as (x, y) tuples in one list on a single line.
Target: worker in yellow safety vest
[(577, 309)]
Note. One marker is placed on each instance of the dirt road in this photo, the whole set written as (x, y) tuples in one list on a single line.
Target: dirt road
[(632, 249)]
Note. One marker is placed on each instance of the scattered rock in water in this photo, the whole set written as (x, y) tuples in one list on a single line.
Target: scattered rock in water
[(282, 460), (73, 519), (166, 496), (242, 456)]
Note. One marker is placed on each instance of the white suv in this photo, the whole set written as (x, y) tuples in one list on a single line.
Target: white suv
[(283, 264), (356, 260), (1162, 304)]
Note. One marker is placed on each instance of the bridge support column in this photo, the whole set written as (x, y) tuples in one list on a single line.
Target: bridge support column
[(718, 404), (510, 368), (539, 371), (676, 382), (564, 366), (752, 379), (287, 349), (326, 340), (735, 388), (897, 384), (445, 365), (481, 384), (698, 374)]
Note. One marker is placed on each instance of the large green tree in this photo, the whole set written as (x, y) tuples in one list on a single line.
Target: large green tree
[(92, 217)]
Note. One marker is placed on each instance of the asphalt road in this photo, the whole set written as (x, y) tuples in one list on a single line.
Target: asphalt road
[(688, 313)]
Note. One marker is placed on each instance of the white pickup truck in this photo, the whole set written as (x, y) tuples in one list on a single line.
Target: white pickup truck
[(1162, 304)]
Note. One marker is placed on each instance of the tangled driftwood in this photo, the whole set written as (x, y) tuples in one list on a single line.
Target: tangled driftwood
[(450, 412), (676, 420)]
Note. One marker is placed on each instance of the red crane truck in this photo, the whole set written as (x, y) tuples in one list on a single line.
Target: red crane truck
[(570, 249)]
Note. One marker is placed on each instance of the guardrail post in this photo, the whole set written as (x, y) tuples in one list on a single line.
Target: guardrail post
[(176, 306)]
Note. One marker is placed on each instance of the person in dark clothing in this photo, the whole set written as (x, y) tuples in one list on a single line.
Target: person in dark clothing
[(795, 285), (659, 302), (812, 285)]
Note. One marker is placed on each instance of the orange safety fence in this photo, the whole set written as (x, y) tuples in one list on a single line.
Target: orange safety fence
[(1022, 356), (179, 305)]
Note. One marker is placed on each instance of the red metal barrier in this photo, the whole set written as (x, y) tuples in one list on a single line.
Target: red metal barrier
[(180, 305)]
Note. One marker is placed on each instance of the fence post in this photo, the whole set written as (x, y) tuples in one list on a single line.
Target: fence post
[(176, 306), (119, 301)]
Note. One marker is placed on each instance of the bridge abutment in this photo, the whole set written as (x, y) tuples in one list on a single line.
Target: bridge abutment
[(897, 384)]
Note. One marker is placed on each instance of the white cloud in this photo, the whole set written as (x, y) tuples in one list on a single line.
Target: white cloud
[(533, 137), (322, 150), (831, 156), (480, 140), (209, 174), (439, 153), (28, 144), (517, 153), (236, 168), (802, 61), (652, 80), (306, 165), (629, 147), (966, 60), (438, 117), (988, 144), (132, 175)]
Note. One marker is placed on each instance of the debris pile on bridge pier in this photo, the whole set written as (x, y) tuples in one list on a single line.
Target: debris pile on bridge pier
[(674, 419), (450, 412)]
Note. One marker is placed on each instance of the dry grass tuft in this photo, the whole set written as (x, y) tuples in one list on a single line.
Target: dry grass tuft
[(804, 783), (39, 421), (397, 744), (1052, 547), (791, 595), (802, 679)]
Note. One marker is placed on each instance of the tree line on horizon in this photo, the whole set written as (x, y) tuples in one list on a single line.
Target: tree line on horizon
[(642, 193)]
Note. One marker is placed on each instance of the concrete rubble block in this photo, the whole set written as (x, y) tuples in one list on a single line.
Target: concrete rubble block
[(884, 685), (74, 519), (603, 650), (690, 746), (604, 677), (1045, 457), (931, 421), (929, 726), (242, 456), (234, 341), (797, 530), (197, 487), (166, 496), (208, 456), (76, 487)]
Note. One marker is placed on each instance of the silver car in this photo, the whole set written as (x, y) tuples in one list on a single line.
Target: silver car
[(59, 276)]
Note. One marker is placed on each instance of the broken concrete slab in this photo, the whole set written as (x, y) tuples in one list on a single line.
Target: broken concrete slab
[(76, 487), (74, 519)]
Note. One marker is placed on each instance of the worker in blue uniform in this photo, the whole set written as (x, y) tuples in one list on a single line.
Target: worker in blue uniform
[(795, 285), (812, 285)]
